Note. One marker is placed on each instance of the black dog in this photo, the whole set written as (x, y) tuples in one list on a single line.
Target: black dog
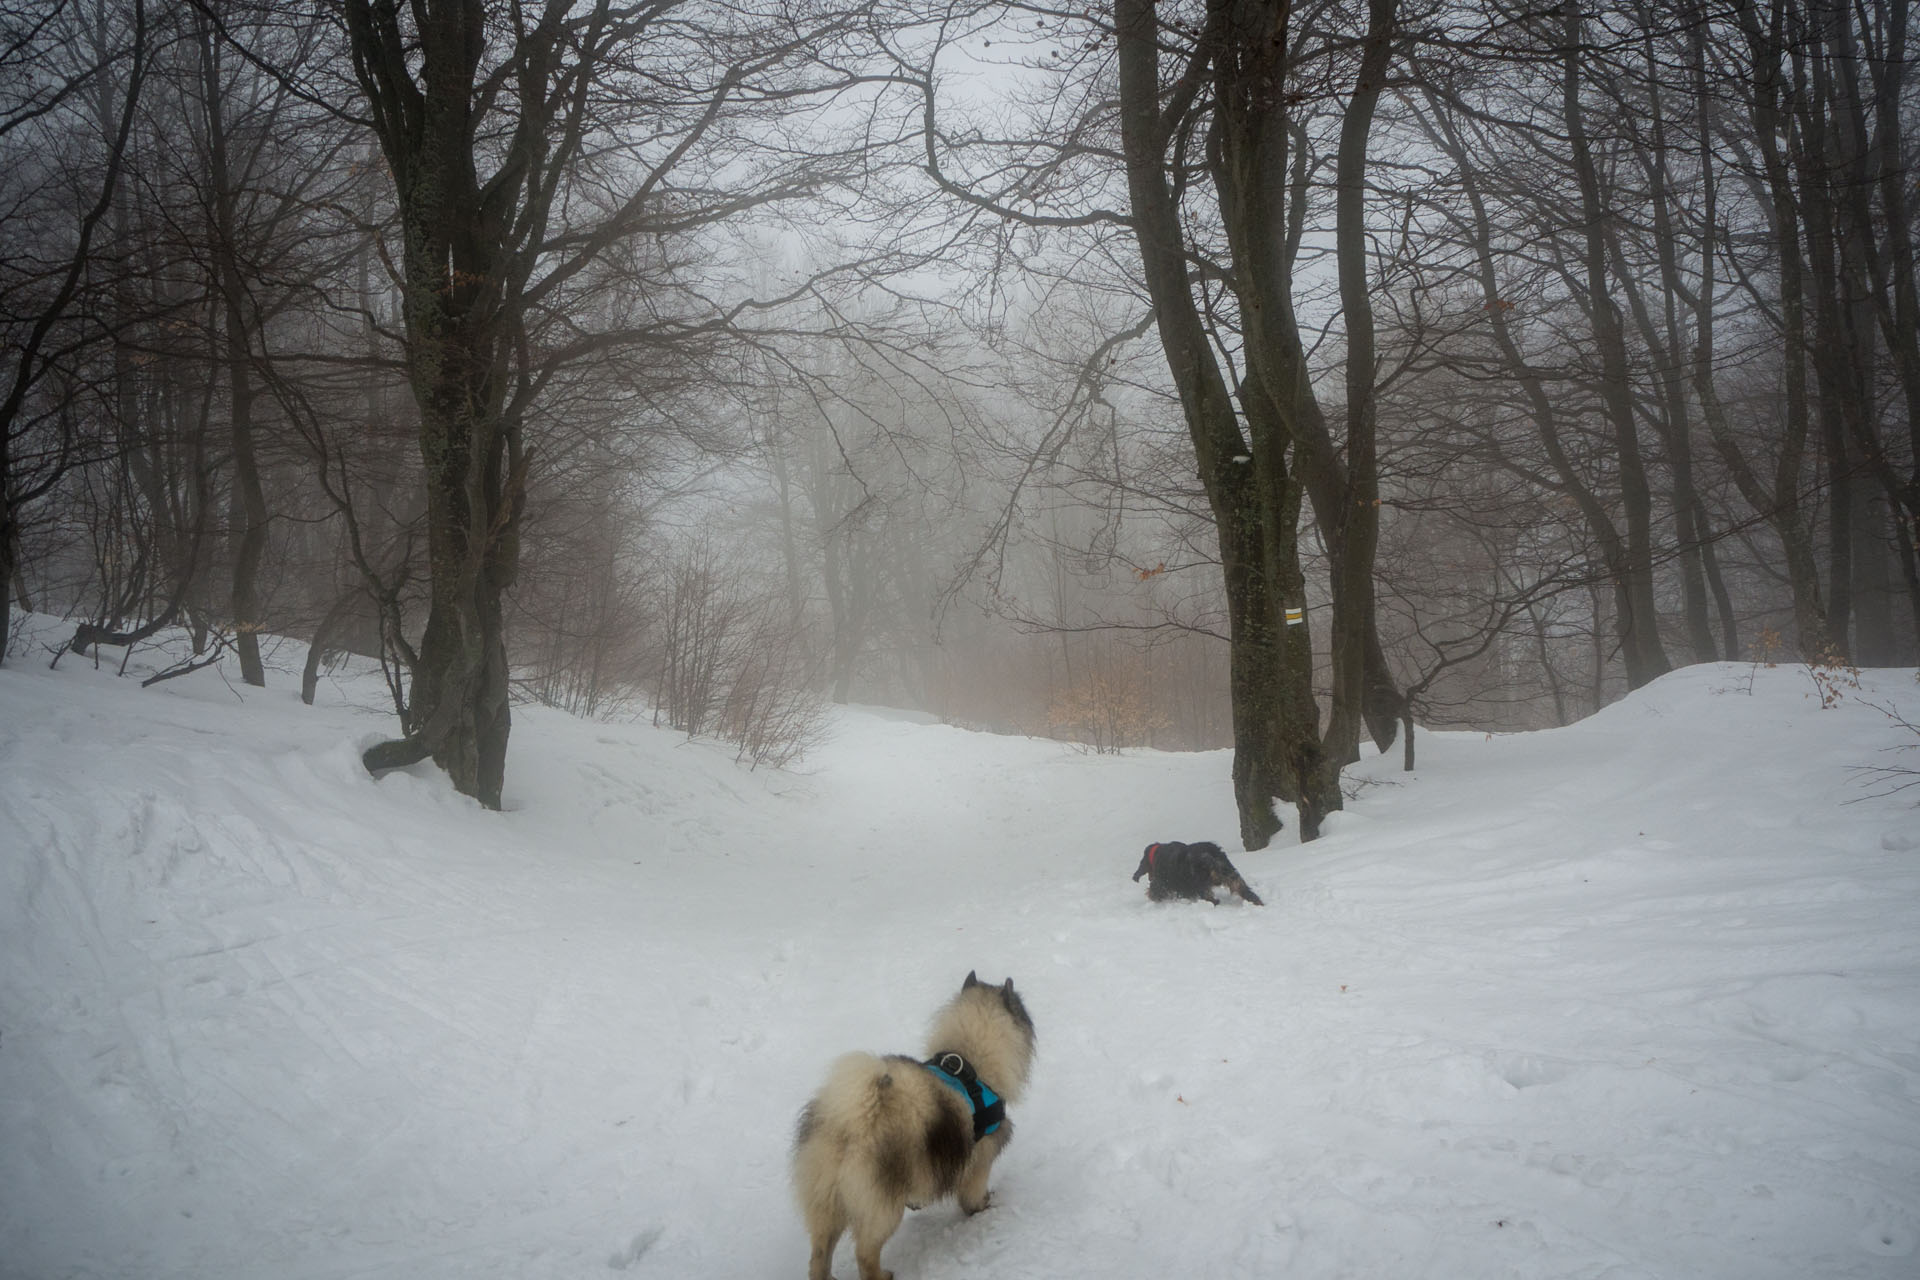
[(1175, 870)]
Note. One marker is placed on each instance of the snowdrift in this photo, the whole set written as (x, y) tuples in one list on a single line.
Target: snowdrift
[(1636, 998)]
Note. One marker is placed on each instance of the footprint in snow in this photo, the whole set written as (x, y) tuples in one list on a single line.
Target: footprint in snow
[(636, 1249), (1523, 1071), (1886, 1239)]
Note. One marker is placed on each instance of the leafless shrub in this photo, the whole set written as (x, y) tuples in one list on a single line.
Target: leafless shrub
[(1891, 778), (581, 610), (1109, 709), (732, 662), (697, 622), (774, 710)]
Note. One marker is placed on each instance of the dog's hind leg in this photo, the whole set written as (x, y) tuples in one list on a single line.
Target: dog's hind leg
[(825, 1222), (1239, 886), (873, 1226), (820, 1262)]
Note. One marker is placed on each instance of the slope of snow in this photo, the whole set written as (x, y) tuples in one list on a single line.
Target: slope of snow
[(1636, 998)]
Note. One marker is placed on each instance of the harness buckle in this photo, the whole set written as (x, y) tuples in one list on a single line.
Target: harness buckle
[(987, 1107)]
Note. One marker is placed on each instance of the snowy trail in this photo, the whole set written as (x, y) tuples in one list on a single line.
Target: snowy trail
[(1636, 998)]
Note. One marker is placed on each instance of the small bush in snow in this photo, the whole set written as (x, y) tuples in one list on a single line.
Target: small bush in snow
[(731, 660)]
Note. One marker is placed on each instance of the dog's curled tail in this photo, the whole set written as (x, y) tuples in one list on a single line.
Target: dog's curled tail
[(861, 1094)]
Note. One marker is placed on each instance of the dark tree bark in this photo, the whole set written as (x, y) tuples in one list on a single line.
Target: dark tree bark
[(1241, 485), (1779, 502), (1878, 281), (1355, 637), (1542, 410), (38, 353), (1835, 358), (463, 267), (1899, 300), (541, 157), (1666, 343), (1250, 45), (1258, 456), (248, 503), (1639, 624)]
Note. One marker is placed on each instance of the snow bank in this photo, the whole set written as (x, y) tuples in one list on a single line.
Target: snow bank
[(1640, 997)]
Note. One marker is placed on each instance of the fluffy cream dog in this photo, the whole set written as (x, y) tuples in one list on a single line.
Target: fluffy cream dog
[(888, 1133)]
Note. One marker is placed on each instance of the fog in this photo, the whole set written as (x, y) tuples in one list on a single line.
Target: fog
[(1030, 367)]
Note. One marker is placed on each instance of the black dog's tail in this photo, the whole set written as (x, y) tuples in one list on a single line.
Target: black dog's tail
[(1146, 861), (1239, 886)]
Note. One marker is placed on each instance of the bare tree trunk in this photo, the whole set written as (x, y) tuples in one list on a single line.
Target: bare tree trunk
[(11, 579), (33, 360), (248, 505), (1597, 679), (846, 606), (1664, 339), (1717, 583), (1640, 624), (1899, 302), (1359, 514), (789, 539), (1780, 502), (459, 278), (1542, 411), (1224, 455), (322, 640), (1545, 654), (1250, 45), (1875, 253)]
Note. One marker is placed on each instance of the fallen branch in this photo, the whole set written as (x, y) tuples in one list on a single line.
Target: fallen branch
[(222, 643)]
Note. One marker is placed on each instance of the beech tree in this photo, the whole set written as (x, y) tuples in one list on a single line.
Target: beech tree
[(55, 66), (1238, 83), (1213, 124), (538, 153)]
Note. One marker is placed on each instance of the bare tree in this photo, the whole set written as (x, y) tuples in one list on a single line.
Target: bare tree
[(528, 149), (51, 64), (1255, 458), (262, 162)]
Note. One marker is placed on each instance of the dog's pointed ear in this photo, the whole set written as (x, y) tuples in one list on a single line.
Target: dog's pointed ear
[(973, 980), (1006, 988)]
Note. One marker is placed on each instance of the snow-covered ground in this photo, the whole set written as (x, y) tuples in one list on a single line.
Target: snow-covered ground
[(1637, 998)]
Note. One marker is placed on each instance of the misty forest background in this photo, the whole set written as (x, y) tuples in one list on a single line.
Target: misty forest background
[(1027, 364)]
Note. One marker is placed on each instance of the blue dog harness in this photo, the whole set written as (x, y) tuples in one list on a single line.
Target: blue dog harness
[(958, 1074)]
